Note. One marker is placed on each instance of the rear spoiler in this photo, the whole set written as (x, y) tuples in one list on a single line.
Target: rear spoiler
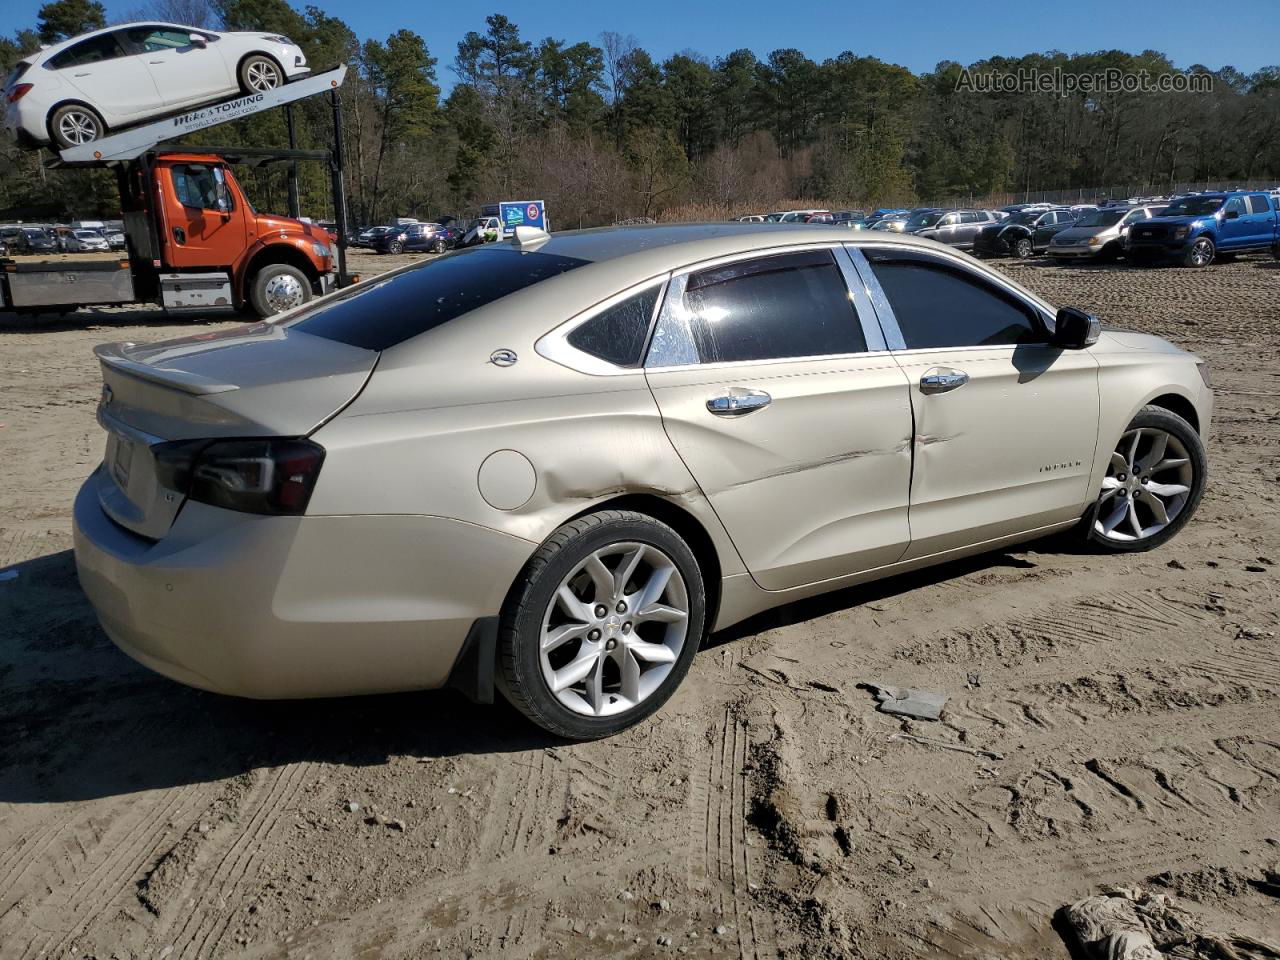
[(115, 356)]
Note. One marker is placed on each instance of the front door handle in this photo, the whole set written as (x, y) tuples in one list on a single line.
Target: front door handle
[(943, 381), (738, 402), (179, 235)]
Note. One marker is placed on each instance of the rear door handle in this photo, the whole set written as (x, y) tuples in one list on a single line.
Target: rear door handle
[(943, 381), (738, 402)]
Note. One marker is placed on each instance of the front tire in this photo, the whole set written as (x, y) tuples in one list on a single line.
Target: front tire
[(396, 247), (1153, 484), (1022, 248), (74, 124), (259, 73), (278, 287), (1200, 253), (602, 625)]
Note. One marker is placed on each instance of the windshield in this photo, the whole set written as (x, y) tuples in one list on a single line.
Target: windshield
[(86, 235), (1026, 218), (1194, 206), (382, 313), (924, 220), (1101, 218), (36, 233)]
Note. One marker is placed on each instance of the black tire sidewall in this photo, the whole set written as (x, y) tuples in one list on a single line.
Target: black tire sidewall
[(1162, 419), (520, 668), (257, 291)]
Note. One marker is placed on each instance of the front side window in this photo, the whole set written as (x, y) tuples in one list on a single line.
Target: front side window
[(617, 334), (94, 50), (196, 185), (154, 39), (768, 308), (939, 306), (1235, 205)]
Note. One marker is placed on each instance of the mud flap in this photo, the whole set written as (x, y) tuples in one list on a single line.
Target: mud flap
[(472, 673)]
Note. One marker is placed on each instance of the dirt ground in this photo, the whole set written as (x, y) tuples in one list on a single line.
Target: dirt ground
[(767, 810)]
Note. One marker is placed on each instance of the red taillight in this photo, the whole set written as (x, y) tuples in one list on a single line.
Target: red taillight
[(18, 91), (273, 476)]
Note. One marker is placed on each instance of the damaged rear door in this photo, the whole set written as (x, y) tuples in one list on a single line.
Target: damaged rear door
[(1006, 423), (776, 389)]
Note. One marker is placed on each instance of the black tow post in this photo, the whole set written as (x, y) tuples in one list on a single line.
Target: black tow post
[(294, 209), (336, 167)]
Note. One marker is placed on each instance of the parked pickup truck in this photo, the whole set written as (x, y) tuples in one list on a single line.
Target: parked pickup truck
[(194, 243), (1193, 230)]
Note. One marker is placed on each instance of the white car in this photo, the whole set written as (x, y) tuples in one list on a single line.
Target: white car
[(82, 241), (83, 88)]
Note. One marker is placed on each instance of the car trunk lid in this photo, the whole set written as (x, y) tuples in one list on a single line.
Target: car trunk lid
[(260, 380)]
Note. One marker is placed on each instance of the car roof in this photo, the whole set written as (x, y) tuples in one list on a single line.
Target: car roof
[(56, 48)]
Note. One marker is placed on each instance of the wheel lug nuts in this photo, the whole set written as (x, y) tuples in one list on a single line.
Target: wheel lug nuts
[(626, 627), (593, 635), (601, 610), (610, 644), (622, 606)]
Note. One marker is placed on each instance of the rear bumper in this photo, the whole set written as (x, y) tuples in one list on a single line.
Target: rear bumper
[(289, 607)]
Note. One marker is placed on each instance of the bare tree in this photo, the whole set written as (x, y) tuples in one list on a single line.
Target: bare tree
[(191, 13), (618, 50)]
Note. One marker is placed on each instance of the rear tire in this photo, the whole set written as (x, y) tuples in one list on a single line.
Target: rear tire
[(73, 124), (278, 287), (569, 593), (259, 73), (1153, 485)]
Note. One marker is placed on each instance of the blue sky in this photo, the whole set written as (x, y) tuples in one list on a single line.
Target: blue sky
[(914, 34)]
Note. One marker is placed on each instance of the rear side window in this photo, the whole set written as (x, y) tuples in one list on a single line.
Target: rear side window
[(617, 334), (102, 47), (379, 314), (1260, 203), (772, 308), (939, 306)]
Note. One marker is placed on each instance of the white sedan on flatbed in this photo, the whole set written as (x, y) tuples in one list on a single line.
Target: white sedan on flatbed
[(81, 89)]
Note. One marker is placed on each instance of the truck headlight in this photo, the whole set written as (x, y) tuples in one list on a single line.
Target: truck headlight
[(1181, 232), (320, 250)]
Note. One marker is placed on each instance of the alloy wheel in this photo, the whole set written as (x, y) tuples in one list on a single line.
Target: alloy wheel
[(1201, 253), (78, 126), (1146, 487), (262, 75), (614, 629), (1023, 248)]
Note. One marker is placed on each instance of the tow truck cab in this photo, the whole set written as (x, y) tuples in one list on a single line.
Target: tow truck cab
[(190, 226)]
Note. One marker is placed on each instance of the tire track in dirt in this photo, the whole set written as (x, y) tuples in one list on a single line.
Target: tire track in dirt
[(114, 865)]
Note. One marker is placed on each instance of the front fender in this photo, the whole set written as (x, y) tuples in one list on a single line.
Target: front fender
[(274, 248)]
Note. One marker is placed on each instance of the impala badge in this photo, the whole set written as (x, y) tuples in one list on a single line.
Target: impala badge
[(503, 358)]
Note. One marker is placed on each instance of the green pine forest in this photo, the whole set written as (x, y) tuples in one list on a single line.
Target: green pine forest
[(602, 131)]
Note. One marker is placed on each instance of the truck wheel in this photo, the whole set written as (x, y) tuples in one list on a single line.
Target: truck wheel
[(1022, 248), (259, 73), (1199, 254), (278, 287), (73, 124)]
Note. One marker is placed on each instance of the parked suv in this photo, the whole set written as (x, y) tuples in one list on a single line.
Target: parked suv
[(565, 460), (1193, 230), (956, 228), (413, 237), (1023, 233), (1099, 234)]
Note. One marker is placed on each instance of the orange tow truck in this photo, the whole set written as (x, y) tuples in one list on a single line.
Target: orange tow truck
[(194, 242)]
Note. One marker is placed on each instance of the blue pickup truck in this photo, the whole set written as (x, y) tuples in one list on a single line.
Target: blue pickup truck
[(1195, 229)]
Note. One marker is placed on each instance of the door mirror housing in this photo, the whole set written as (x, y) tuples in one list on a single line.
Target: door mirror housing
[(198, 40), (1233, 214), (1074, 329)]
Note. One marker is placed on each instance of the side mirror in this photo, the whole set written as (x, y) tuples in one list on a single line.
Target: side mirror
[(198, 40), (1074, 329), (1233, 214)]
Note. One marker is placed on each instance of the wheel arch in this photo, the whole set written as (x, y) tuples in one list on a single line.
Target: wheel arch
[(268, 254), (1178, 404)]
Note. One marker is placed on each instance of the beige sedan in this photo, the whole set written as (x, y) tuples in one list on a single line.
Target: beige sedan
[(550, 466)]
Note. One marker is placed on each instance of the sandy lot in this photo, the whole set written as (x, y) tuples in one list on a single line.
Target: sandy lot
[(765, 811)]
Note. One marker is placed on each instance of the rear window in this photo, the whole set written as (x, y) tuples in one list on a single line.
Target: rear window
[(382, 313)]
